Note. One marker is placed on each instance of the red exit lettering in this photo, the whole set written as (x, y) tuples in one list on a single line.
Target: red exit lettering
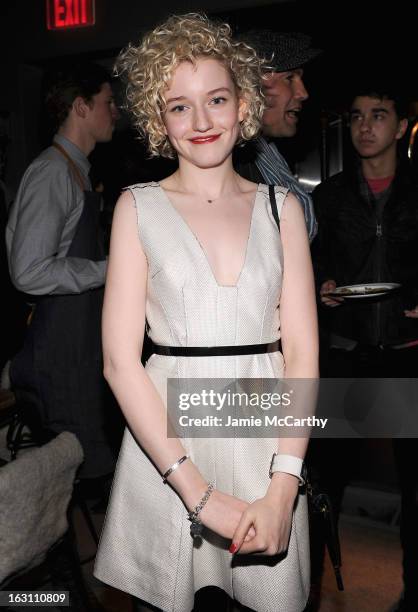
[(64, 14)]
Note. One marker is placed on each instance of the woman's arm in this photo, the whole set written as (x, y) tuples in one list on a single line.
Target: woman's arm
[(123, 335), (271, 516), (143, 408)]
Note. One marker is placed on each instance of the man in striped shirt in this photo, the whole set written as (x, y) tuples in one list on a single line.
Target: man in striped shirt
[(286, 53)]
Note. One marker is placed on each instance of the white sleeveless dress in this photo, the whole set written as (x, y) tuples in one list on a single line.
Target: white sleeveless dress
[(146, 548)]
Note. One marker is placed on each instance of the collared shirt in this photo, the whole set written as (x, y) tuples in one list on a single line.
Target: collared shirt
[(42, 224), (276, 171)]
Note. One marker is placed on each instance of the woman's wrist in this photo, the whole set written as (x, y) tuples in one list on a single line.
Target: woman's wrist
[(196, 526), (174, 467), (189, 484), (283, 487)]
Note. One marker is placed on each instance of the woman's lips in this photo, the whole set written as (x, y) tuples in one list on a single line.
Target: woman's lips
[(205, 139)]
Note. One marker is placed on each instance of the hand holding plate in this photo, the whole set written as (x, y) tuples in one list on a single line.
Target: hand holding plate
[(326, 288)]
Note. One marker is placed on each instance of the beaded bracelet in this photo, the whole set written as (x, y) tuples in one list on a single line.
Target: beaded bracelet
[(196, 527), (174, 467)]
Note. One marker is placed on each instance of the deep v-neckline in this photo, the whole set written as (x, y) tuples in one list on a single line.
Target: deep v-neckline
[(199, 246)]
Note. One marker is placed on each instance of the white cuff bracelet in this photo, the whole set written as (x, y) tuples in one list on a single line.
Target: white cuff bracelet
[(290, 465)]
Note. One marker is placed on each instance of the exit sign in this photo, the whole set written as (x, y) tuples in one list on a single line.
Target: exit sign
[(65, 14)]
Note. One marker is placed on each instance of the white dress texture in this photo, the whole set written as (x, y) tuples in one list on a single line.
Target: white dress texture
[(146, 548)]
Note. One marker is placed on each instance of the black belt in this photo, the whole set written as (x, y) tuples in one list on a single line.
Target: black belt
[(215, 351)]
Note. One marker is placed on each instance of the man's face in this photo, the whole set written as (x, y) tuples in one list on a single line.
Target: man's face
[(285, 94), (102, 114), (375, 127)]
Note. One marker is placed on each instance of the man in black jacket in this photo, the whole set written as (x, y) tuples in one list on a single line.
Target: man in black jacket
[(368, 233), (369, 230)]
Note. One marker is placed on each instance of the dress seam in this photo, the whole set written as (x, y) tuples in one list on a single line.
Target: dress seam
[(263, 318), (178, 566)]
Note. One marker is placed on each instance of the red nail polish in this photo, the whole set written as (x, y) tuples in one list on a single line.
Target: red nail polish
[(233, 548)]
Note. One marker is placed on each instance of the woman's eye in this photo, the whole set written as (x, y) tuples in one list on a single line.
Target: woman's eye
[(177, 109), (218, 100)]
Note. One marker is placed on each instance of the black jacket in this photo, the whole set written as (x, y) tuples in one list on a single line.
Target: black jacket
[(353, 246)]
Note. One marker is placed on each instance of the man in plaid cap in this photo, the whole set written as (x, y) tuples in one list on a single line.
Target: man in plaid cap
[(286, 54)]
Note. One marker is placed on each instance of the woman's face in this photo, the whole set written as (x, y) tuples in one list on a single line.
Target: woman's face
[(203, 112)]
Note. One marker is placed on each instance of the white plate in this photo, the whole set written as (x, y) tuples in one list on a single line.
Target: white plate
[(368, 290)]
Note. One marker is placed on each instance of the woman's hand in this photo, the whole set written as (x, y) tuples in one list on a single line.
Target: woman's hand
[(271, 519), (223, 513)]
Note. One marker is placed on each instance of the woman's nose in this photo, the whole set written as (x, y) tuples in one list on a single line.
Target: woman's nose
[(201, 120)]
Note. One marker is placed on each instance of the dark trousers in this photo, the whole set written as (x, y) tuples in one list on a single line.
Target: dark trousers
[(406, 460), (334, 461)]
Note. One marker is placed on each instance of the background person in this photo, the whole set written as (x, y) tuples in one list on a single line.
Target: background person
[(285, 93), (368, 233), (56, 256)]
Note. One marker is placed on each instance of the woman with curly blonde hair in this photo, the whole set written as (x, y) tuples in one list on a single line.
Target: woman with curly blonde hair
[(199, 259)]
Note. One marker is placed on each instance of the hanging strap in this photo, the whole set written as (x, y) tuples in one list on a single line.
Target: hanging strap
[(273, 205), (80, 179), (275, 213)]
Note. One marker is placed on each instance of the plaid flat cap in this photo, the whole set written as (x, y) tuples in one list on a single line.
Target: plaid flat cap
[(282, 50)]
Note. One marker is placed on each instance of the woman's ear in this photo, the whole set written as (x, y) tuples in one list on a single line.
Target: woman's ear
[(242, 109)]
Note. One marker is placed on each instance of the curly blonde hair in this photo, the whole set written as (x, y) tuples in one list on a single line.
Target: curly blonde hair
[(148, 69)]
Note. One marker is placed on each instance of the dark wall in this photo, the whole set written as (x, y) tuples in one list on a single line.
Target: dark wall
[(27, 49), (356, 37), (117, 22), (353, 33)]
